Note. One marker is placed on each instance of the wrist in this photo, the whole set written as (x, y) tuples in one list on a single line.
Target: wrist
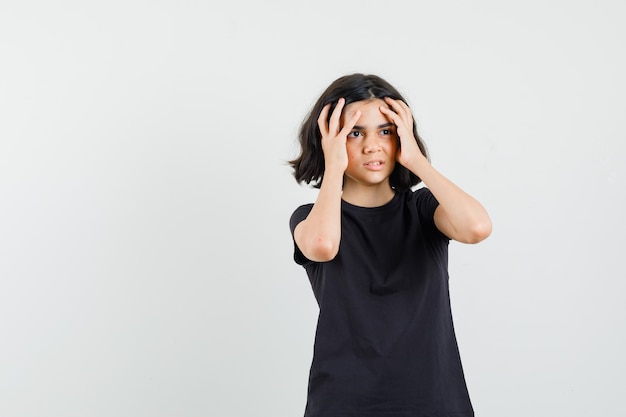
[(417, 164), (333, 175), (334, 168)]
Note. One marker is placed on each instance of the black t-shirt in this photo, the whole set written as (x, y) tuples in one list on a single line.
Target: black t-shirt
[(385, 342)]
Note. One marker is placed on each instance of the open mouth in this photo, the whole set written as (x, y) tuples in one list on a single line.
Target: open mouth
[(377, 164)]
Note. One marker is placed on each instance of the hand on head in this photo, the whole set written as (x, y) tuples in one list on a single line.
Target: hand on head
[(334, 135), (400, 114)]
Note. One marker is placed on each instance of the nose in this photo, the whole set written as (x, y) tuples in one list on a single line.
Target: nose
[(371, 144)]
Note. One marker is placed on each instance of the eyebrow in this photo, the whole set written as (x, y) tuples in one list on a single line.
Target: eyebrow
[(384, 125)]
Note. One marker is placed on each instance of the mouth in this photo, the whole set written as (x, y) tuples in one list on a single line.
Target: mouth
[(375, 164)]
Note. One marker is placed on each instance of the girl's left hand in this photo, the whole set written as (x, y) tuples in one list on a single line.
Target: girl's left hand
[(400, 114)]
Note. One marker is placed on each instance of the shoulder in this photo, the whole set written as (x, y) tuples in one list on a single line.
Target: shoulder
[(424, 199), (426, 204), (422, 193), (421, 199), (299, 214)]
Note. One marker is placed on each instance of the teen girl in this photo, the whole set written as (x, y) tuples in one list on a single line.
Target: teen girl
[(376, 253)]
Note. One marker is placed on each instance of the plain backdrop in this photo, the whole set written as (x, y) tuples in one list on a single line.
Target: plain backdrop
[(145, 256)]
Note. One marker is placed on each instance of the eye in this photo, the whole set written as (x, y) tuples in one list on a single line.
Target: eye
[(385, 132), (354, 134)]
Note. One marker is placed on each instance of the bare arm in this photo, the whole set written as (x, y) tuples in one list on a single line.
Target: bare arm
[(318, 235), (459, 216)]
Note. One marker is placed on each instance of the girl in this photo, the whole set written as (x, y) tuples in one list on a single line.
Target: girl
[(376, 253)]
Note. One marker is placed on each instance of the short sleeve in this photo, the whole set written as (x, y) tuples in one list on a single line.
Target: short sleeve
[(298, 215), (426, 205)]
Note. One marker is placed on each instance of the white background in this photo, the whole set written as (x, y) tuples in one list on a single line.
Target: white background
[(145, 257)]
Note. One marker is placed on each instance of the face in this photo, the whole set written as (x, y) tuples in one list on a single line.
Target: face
[(371, 145)]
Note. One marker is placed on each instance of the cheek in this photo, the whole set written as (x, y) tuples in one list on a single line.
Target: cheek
[(351, 151), (392, 145)]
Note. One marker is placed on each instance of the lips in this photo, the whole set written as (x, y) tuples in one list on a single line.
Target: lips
[(375, 164)]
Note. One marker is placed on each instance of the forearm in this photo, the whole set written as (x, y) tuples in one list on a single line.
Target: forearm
[(318, 236), (459, 215)]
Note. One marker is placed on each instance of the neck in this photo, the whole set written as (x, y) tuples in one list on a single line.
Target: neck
[(368, 196)]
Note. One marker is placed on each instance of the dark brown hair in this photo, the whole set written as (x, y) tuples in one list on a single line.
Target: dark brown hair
[(309, 165)]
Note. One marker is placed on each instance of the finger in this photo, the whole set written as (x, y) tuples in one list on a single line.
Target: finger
[(403, 113), (333, 124), (395, 117), (404, 127), (350, 124), (399, 107), (321, 120)]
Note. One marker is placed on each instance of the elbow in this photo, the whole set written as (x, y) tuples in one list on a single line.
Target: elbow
[(317, 246), (324, 250), (479, 231)]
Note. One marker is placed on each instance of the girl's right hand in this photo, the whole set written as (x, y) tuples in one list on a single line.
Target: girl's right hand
[(334, 136)]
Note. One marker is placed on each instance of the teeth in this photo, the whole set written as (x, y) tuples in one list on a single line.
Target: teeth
[(374, 163)]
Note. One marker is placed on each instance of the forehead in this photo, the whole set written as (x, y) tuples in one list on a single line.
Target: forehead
[(370, 112)]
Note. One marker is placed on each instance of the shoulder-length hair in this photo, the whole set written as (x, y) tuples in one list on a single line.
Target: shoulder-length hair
[(309, 165)]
